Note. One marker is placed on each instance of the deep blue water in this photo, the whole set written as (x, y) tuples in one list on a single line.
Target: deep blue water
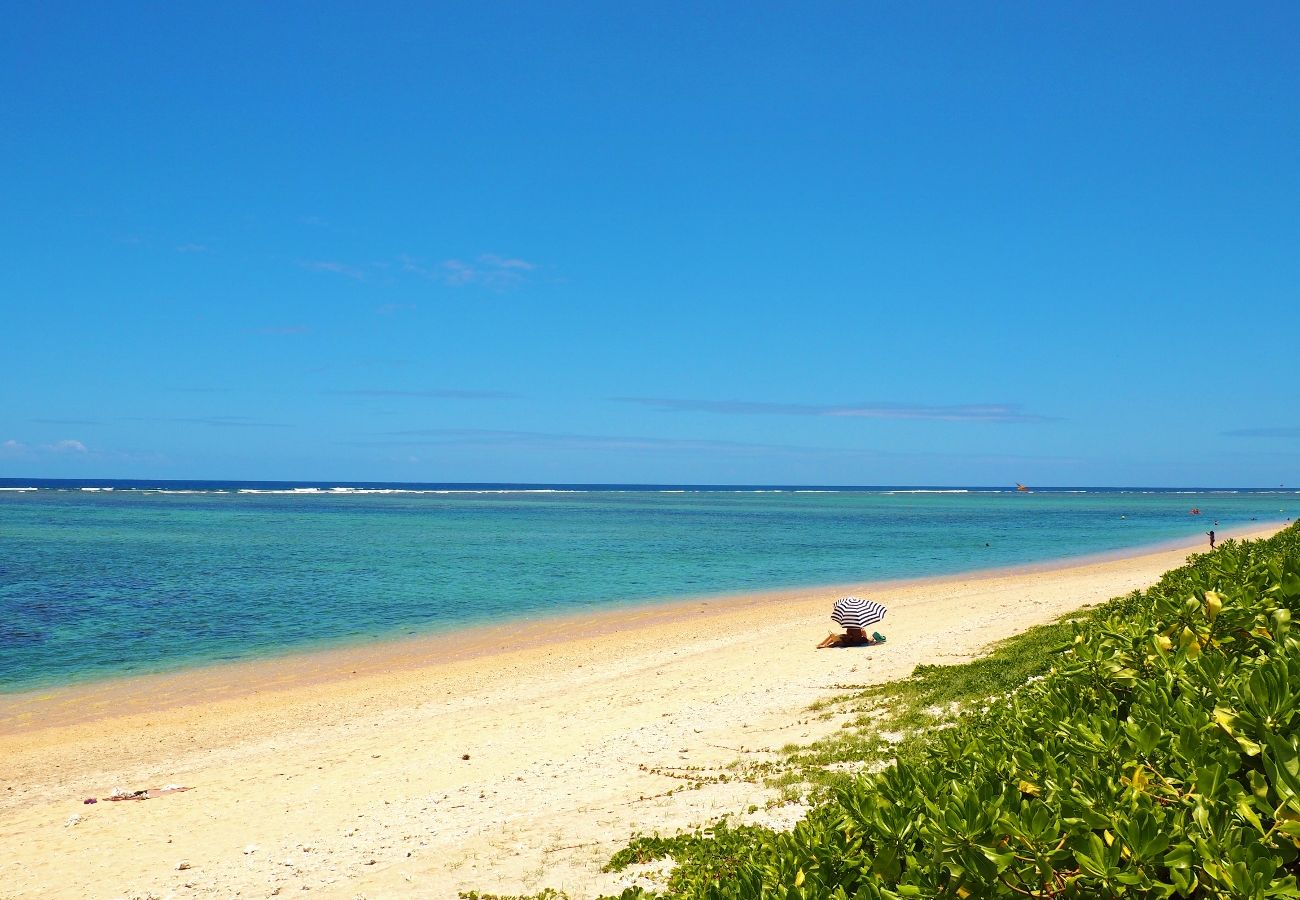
[(152, 576)]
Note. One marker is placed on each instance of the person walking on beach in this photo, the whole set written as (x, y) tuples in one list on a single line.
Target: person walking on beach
[(1211, 534)]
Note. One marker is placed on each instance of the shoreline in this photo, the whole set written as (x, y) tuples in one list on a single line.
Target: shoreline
[(105, 697), (509, 769), (96, 698)]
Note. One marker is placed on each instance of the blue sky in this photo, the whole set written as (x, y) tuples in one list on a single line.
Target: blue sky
[(882, 243)]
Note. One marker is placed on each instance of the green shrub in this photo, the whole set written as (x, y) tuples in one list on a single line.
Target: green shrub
[(1159, 756), (703, 857)]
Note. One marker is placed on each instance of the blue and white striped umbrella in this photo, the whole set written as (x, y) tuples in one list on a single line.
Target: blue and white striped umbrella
[(855, 612)]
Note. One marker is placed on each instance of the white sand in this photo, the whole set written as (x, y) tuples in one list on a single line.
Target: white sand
[(345, 773)]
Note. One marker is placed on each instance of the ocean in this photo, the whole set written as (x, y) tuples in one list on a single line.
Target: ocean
[(101, 579)]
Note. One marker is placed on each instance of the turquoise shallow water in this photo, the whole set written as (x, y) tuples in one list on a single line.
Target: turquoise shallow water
[(97, 583)]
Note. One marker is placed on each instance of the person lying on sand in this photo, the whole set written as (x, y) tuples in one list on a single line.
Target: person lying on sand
[(852, 637)]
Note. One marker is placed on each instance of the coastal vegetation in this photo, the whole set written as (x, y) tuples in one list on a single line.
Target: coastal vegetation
[(1147, 748)]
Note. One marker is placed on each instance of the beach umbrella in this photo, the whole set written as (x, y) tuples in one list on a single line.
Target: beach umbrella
[(854, 612)]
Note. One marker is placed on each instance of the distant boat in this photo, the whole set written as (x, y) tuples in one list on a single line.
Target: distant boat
[(1021, 487), (1194, 511)]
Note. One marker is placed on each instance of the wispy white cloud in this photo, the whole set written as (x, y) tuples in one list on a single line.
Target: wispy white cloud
[(338, 268), (191, 248), (486, 269), (458, 273), (68, 454), (12, 448), (968, 412)]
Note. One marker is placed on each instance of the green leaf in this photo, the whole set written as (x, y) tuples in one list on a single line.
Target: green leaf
[(1000, 860), (1146, 738), (1282, 763), (1181, 856)]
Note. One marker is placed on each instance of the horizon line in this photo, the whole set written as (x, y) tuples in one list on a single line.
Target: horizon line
[(19, 481)]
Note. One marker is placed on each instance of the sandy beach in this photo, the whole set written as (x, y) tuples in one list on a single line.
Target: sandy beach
[(485, 761)]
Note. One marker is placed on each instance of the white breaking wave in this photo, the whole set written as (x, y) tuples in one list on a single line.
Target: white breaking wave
[(279, 491), (507, 491), (933, 491)]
